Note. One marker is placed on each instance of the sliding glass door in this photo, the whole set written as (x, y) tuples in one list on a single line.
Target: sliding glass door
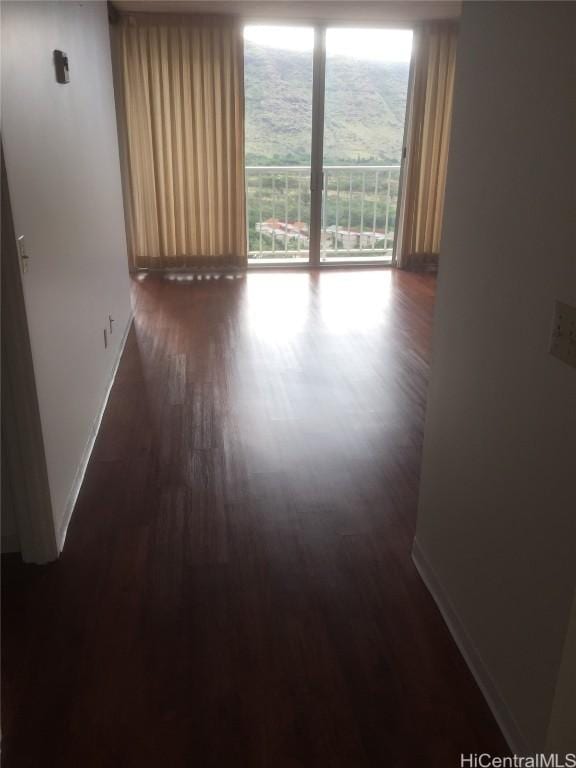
[(278, 84), (366, 86), (325, 112)]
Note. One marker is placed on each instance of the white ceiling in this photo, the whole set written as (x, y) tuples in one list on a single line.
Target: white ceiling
[(388, 11)]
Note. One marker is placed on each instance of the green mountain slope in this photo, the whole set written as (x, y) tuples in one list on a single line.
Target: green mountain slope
[(365, 106)]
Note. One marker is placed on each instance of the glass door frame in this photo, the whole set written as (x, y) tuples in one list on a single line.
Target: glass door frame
[(317, 177), (317, 146)]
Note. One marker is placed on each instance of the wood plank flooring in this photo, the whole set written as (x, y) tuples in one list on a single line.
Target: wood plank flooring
[(236, 587)]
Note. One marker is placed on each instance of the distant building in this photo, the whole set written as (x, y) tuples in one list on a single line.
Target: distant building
[(284, 230), (349, 239)]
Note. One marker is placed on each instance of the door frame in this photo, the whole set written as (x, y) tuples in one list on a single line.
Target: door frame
[(317, 144), (25, 485)]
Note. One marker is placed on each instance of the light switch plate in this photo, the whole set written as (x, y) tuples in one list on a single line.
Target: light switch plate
[(23, 256), (563, 344)]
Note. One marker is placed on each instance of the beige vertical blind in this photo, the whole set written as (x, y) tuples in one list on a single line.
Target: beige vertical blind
[(183, 110), (430, 117)]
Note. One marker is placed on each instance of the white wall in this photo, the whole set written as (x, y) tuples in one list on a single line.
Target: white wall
[(497, 519), (562, 731), (61, 153)]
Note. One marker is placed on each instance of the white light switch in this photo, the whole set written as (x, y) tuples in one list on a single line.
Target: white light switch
[(563, 344)]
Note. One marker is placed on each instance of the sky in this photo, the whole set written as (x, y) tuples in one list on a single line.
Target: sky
[(373, 44)]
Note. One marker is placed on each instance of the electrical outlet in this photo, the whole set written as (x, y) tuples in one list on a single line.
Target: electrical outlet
[(563, 345)]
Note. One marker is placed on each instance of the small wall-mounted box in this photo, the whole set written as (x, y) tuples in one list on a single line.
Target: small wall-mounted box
[(61, 67), (563, 344)]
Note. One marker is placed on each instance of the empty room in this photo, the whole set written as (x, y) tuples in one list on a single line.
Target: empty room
[(288, 386)]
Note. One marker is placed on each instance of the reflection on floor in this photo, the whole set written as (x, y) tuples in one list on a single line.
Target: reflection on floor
[(236, 587)]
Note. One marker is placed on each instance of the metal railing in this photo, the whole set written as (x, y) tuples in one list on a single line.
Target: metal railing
[(359, 204)]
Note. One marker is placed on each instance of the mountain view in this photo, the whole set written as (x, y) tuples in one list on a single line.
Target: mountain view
[(364, 115), (365, 106)]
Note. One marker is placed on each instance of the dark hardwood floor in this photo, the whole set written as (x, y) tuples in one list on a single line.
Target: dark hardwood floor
[(236, 587)]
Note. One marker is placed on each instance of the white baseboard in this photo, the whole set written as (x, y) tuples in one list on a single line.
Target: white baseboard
[(502, 714), (81, 471)]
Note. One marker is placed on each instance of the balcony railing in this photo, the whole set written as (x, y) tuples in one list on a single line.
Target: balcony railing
[(358, 213)]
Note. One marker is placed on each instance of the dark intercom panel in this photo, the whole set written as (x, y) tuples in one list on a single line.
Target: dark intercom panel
[(61, 66)]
